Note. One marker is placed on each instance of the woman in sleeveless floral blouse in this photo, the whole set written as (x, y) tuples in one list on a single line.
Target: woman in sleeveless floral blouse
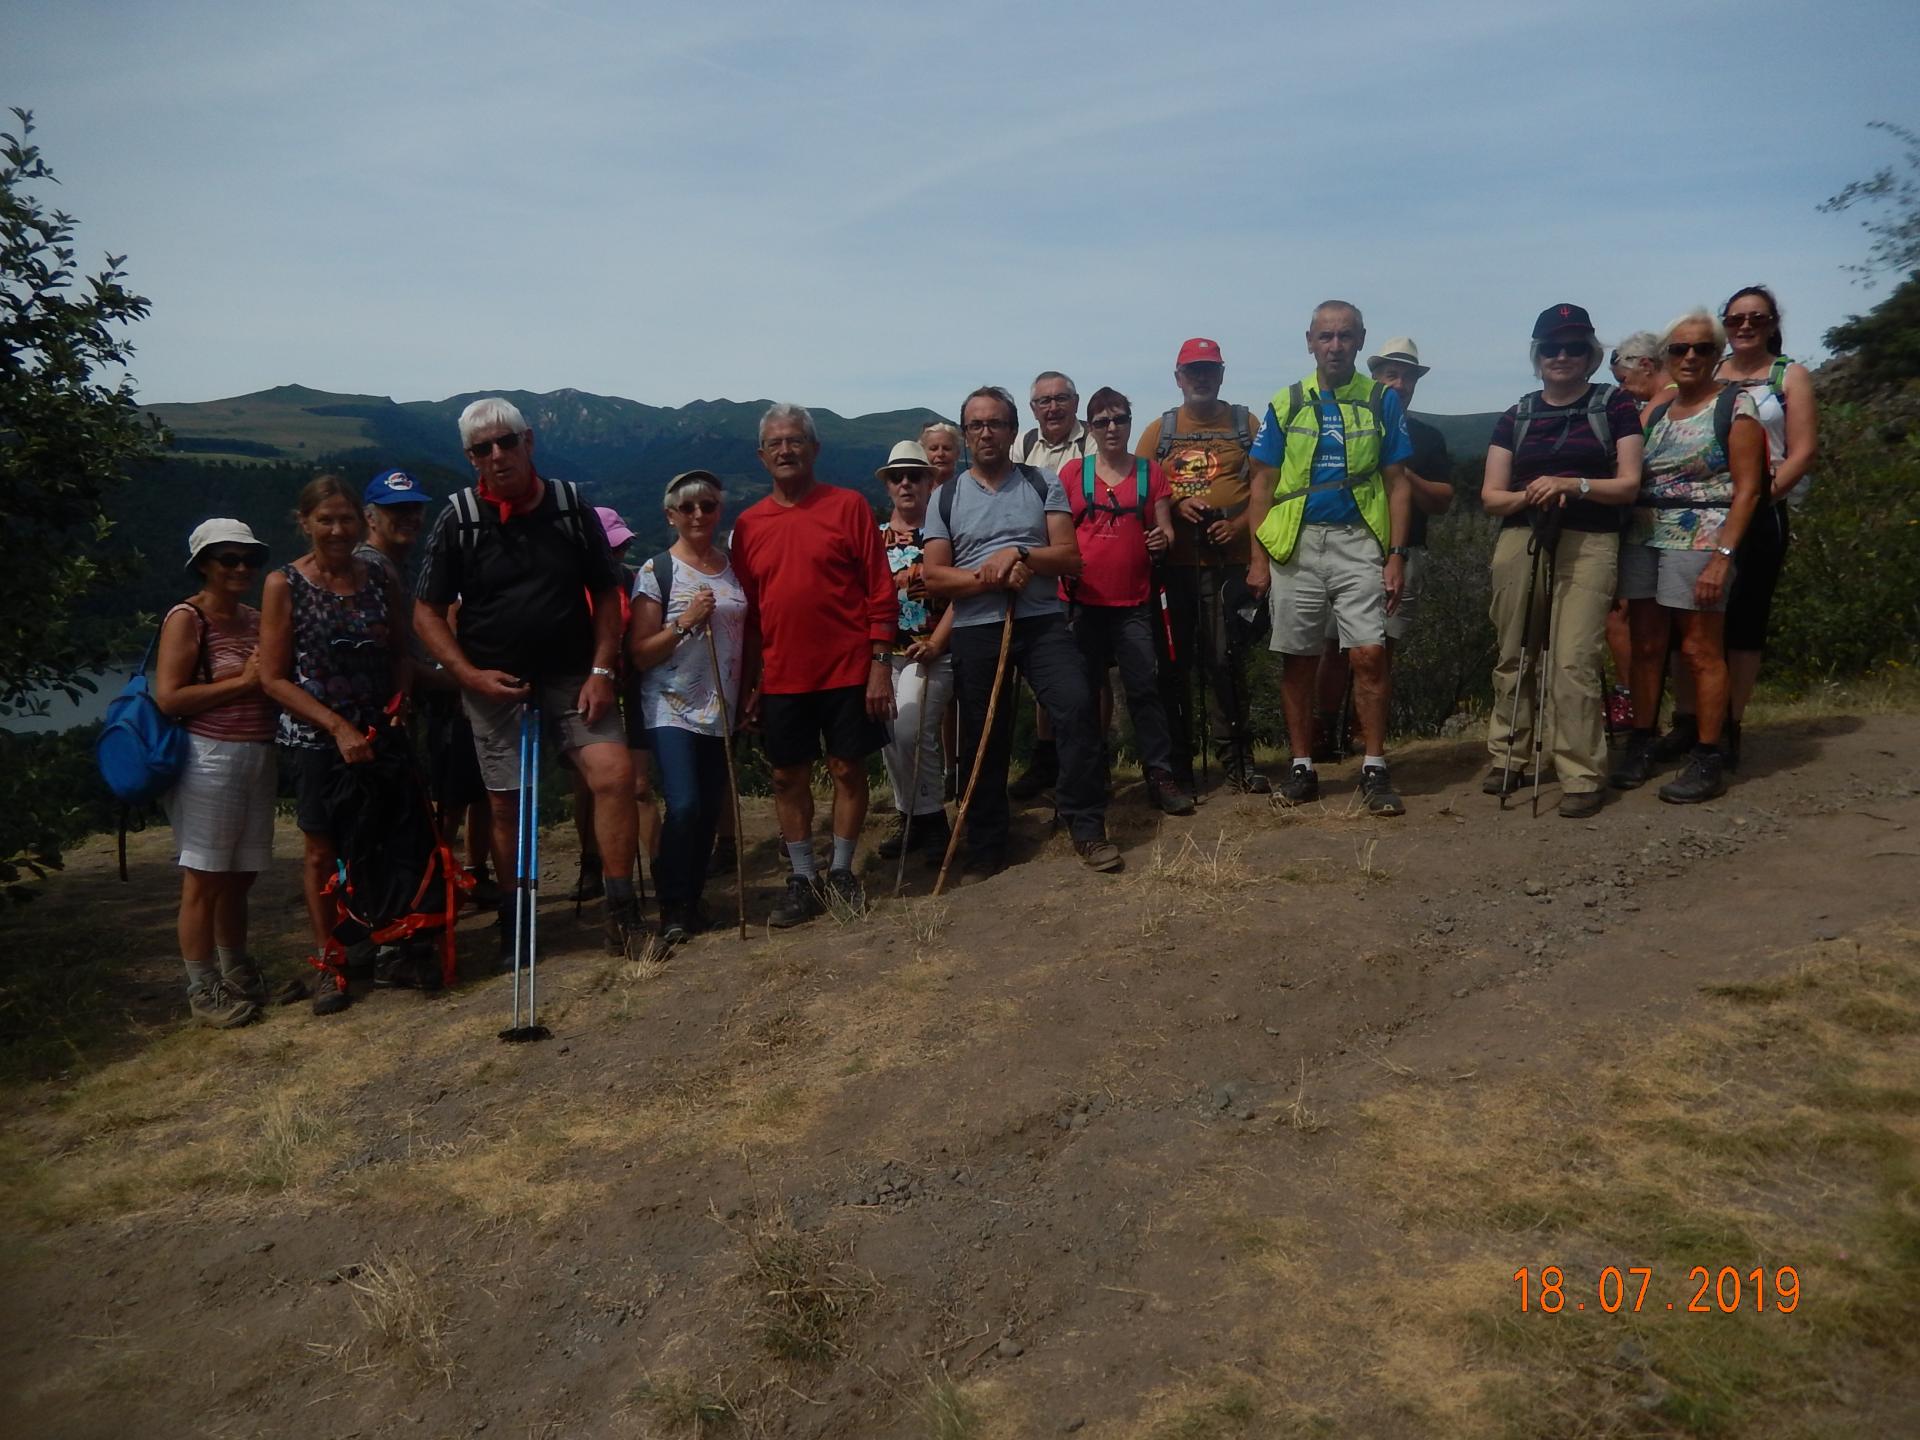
[(332, 657)]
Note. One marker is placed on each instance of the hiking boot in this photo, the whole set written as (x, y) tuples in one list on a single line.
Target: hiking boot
[(1243, 778), (1704, 778), (1579, 804), (1165, 792), (1678, 741), (625, 932), (1499, 782), (845, 892), (674, 926), (591, 885), (216, 1003), (802, 903), (330, 993), (1099, 853), (726, 854), (1379, 793), (485, 895), (900, 838), (1620, 709), (249, 982), (1636, 766), (1300, 786), (1040, 773)]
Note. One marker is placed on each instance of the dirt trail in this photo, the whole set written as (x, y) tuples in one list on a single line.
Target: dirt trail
[(1046, 1157)]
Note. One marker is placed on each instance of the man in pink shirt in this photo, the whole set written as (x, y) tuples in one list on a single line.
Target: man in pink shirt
[(811, 560)]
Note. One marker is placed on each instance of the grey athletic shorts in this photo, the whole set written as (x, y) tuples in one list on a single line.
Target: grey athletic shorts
[(496, 728), (1667, 576)]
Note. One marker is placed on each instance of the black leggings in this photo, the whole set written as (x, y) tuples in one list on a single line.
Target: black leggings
[(1756, 570)]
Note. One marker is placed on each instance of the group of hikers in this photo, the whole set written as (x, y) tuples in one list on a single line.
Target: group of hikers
[(1646, 517)]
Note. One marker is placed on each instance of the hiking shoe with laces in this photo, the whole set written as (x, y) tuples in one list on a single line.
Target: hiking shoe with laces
[(801, 904), (1244, 779), (250, 982), (591, 885), (1704, 778), (1040, 774), (1679, 741), (330, 994), (1499, 782), (898, 839), (1166, 794), (845, 892), (1377, 789), (625, 933), (1099, 853), (485, 895), (1636, 765), (1300, 786), (675, 928), (725, 853), (216, 1003), (1580, 804)]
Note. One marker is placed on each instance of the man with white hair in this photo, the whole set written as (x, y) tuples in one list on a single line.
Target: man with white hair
[(811, 560), (522, 555)]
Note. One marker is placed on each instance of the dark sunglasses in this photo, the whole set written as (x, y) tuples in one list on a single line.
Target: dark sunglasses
[(1554, 349), (480, 449), (908, 477), (1111, 422), (705, 507), (1759, 321), (1707, 348), (234, 559)]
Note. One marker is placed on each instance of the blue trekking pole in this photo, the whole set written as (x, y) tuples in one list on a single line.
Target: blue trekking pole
[(526, 914)]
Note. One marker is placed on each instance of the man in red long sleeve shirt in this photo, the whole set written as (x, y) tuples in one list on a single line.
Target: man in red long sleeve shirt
[(811, 560)]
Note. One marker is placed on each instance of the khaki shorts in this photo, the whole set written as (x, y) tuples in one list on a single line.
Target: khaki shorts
[(496, 728), (1401, 620), (1333, 587)]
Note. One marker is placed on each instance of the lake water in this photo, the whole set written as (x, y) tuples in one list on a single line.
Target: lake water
[(59, 713)]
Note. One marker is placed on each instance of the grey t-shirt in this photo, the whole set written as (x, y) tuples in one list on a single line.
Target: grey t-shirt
[(986, 521)]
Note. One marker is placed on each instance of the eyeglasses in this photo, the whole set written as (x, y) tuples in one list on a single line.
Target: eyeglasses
[(705, 507), (1555, 349), (1705, 348), (480, 449), (1111, 422), (1759, 320), (986, 427), (234, 559), (1050, 400)]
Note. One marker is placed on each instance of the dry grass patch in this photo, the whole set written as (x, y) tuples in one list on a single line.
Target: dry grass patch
[(1194, 879), (804, 1289), (678, 1404), (406, 1319)]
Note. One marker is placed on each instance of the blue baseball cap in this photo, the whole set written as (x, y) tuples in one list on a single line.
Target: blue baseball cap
[(394, 487)]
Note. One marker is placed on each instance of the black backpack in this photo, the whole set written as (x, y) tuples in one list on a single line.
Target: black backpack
[(1598, 398), (469, 519), (1723, 406), (1242, 431)]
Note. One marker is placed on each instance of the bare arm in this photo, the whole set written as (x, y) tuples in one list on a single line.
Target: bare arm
[(1495, 496), (1803, 432), (276, 670), (1260, 484), (1399, 503), (944, 579), (1433, 497), (1747, 459), (176, 690)]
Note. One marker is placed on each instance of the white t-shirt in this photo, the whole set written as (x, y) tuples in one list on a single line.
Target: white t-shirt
[(679, 692)]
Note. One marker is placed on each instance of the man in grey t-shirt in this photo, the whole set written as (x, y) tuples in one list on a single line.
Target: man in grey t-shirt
[(1001, 534)]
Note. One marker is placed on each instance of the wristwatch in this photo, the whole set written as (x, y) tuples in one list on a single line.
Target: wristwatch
[(602, 672), (1723, 550), (1401, 550), (1586, 486), (681, 630), (1022, 552)]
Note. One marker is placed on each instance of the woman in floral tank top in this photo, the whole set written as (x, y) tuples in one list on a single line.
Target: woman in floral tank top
[(332, 656)]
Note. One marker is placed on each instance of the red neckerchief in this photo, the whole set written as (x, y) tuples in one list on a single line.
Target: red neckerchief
[(506, 507)]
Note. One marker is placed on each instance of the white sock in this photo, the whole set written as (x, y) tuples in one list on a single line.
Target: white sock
[(1306, 765), (843, 852), (1379, 760), (800, 856)]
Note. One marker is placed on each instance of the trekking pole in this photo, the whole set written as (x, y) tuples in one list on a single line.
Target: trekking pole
[(733, 784), (1543, 657), (526, 939), (913, 793), (980, 750), (1520, 680)]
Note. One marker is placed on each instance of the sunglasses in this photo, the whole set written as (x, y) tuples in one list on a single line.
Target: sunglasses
[(480, 449), (908, 477), (1111, 422), (1708, 349), (1759, 320), (705, 507), (234, 559), (1555, 349)]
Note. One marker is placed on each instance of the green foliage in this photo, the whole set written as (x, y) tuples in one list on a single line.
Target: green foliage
[(1896, 235), (50, 796), (65, 434), (1884, 344)]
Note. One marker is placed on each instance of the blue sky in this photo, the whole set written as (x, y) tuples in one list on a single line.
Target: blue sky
[(865, 207)]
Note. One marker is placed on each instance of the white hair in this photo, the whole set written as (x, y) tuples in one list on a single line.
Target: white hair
[(784, 411), (946, 425), (1641, 345), (486, 415), (1699, 315)]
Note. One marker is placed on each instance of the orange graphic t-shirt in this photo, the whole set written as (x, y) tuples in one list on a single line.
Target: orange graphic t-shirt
[(1212, 468)]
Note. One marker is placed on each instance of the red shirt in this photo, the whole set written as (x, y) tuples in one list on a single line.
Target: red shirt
[(816, 576), (1115, 567)]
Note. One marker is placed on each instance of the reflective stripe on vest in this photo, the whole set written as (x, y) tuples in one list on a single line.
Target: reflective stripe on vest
[(1362, 403)]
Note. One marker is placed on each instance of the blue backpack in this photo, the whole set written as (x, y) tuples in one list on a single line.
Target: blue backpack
[(141, 751)]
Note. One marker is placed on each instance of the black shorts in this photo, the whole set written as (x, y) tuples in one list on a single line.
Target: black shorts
[(793, 726), (307, 771), (453, 769), (1756, 571)]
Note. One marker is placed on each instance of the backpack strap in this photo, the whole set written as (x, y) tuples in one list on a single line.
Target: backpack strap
[(1026, 440), (1777, 377), (467, 524), (1088, 478), (1655, 416), (1169, 424), (1243, 426), (661, 567), (1723, 415), (1599, 397), (572, 513), (1523, 418), (1140, 487), (1296, 402), (1239, 417), (1031, 474)]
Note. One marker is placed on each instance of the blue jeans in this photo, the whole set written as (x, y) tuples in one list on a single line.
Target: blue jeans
[(691, 771)]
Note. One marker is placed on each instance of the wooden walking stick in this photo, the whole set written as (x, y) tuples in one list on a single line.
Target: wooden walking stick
[(913, 794), (733, 785), (980, 751)]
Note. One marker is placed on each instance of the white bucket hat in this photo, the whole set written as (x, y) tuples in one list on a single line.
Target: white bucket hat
[(209, 533), (1400, 350)]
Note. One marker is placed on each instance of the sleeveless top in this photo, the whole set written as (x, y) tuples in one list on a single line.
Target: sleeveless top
[(1685, 462), (224, 656), (341, 655)]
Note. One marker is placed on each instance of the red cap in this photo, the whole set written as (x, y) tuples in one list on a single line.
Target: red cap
[(1203, 352)]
